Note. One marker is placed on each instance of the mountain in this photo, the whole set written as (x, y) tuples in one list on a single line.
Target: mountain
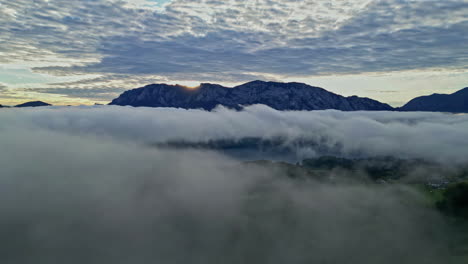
[(280, 96), (33, 104), (456, 103)]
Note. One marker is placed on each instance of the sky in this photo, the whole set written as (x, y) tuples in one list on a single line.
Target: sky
[(89, 51)]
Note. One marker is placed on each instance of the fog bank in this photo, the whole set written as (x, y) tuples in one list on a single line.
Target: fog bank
[(432, 136), (70, 197)]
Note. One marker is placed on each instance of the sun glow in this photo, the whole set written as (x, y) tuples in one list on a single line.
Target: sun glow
[(190, 87)]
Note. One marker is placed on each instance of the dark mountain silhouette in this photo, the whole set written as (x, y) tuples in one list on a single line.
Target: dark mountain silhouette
[(33, 104), (456, 103), (280, 96)]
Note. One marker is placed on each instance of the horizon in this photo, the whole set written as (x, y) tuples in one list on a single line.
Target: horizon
[(195, 88), (74, 52)]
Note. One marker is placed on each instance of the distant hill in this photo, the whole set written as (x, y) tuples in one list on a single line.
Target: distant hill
[(456, 103), (381, 169), (280, 96), (33, 104)]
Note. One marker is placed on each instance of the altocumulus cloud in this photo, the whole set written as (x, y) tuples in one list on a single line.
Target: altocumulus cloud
[(77, 186), (381, 37)]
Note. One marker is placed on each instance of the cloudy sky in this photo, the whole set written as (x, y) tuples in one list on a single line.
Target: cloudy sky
[(87, 51)]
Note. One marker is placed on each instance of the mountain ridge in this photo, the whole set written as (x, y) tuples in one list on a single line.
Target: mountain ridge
[(33, 104), (278, 95), (456, 102)]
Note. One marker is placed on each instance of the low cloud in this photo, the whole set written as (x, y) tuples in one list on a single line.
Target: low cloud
[(432, 136), (78, 186), (101, 93)]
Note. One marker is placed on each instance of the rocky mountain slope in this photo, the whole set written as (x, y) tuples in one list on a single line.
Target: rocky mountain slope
[(280, 96), (456, 103)]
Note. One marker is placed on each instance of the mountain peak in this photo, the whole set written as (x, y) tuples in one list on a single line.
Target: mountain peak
[(278, 95), (255, 82), (456, 102), (33, 104), (210, 85), (280, 84), (462, 91)]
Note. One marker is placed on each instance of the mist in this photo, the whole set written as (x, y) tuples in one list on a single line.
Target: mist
[(87, 185), (432, 136)]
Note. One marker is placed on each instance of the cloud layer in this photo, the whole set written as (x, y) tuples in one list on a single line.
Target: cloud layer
[(432, 136), (77, 185)]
